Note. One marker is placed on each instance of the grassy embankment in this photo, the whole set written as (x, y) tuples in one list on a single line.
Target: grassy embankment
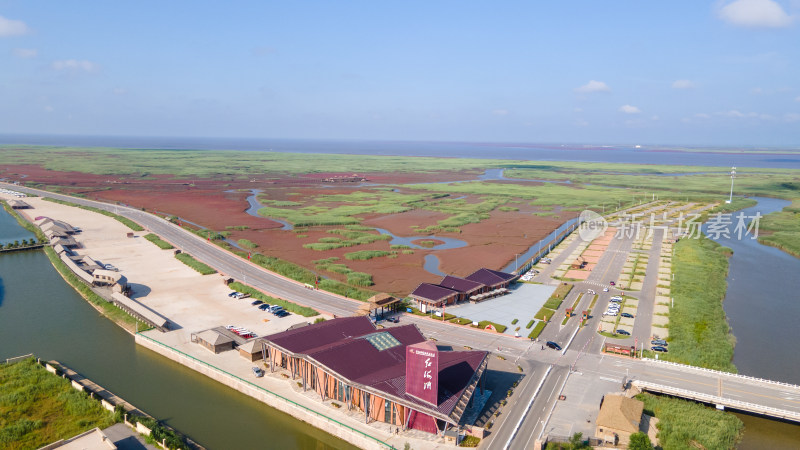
[(685, 424), (160, 243), (37, 407), (781, 229), (699, 334), (287, 305), (200, 267), (125, 221)]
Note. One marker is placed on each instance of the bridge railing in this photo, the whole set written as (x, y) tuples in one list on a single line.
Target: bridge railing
[(708, 398), (719, 372)]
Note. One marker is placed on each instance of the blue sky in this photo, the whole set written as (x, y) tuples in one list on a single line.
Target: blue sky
[(678, 72)]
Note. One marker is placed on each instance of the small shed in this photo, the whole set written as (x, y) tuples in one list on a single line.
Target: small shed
[(213, 341), (251, 350)]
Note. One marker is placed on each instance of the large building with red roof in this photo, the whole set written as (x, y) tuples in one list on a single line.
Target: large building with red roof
[(365, 368)]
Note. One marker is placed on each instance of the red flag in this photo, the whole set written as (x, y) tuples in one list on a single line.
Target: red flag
[(248, 255)]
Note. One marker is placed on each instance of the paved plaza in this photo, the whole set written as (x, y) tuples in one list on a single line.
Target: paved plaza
[(524, 301)]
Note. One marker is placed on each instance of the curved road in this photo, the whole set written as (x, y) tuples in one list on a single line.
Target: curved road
[(218, 258)]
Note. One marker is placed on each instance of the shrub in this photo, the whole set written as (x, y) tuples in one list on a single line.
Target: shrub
[(162, 244), (537, 330), (195, 264)]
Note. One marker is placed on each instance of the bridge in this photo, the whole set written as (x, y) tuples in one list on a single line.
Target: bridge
[(722, 389)]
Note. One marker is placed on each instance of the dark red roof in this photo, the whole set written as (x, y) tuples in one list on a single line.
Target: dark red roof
[(490, 277), (302, 340), (341, 346), (433, 292), (460, 284)]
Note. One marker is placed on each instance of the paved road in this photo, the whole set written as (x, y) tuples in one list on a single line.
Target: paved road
[(523, 423), (220, 259)]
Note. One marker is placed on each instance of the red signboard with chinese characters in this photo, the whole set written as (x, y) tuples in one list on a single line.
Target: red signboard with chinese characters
[(422, 371)]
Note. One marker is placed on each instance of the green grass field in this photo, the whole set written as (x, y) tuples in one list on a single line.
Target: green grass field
[(781, 229), (684, 424), (38, 408), (698, 330)]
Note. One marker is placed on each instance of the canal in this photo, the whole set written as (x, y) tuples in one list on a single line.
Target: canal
[(41, 314)]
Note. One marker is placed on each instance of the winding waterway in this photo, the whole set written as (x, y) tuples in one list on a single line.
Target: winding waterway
[(41, 314)]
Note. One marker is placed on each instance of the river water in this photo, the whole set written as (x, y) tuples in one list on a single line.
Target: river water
[(41, 314)]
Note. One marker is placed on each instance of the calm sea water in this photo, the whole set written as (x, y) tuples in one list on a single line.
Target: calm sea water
[(516, 151)]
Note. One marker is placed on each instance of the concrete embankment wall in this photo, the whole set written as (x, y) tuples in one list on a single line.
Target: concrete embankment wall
[(313, 418)]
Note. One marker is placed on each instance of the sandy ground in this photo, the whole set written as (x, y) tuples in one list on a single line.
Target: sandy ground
[(159, 281)]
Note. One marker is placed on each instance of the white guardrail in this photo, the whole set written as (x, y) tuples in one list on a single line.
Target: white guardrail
[(707, 398), (719, 372)]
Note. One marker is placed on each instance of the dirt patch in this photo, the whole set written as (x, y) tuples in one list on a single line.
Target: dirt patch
[(403, 224)]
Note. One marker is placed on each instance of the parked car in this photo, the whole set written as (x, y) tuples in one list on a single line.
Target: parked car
[(612, 283), (276, 311), (233, 294), (282, 313), (628, 315), (256, 302), (659, 342), (623, 332), (616, 298), (610, 313), (393, 319), (275, 308), (658, 348), (263, 306), (258, 372), (605, 289), (553, 345), (110, 267)]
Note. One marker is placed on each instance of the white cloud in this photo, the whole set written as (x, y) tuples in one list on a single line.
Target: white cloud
[(119, 91), (757, 91), (797, 99), (582, 123), (49, 109), (628, 109), (791, 117), (500, 112), (581, 109), (74, 65), (702, 116), (755, 14), (655, 118), (683, 84), (9, 27), (733, 113), (593, 86), (26, 53)]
